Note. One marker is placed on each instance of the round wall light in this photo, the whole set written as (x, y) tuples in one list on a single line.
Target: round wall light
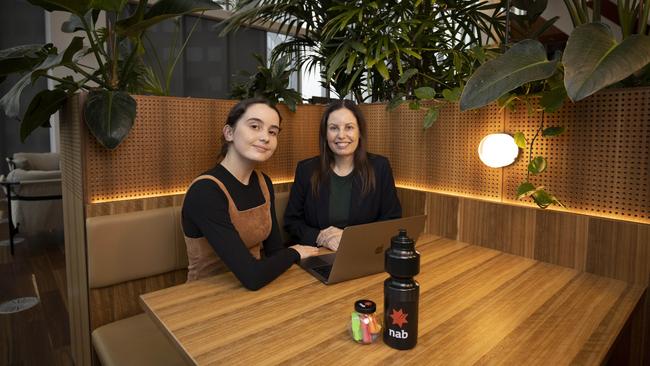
[(498, 150)]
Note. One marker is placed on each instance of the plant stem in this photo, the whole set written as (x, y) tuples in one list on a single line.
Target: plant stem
[(643, 18), (596, 10), (532, 142), (87, 75), (170, 70), (60, 80), (94, 47)]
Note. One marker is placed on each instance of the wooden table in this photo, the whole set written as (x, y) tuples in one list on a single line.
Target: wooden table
[(477, 305)]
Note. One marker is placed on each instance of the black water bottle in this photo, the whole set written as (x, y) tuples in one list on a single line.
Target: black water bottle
[(401, 293)]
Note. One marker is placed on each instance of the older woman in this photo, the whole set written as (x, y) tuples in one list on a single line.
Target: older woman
[(344, 185)]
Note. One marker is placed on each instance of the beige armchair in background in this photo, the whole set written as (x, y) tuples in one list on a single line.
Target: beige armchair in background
[(33, 187)]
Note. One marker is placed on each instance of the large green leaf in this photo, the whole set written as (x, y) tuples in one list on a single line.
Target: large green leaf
[(525, 62), (109, 116), (425, 93), (110, 5), (10, 102), (38, 113), (22, 58), (160, 11), (593, 59), (79, 7)]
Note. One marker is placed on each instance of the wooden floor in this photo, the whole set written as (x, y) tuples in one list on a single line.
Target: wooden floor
[(40, 335)]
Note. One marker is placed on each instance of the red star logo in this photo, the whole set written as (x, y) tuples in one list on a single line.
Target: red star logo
[(399, 317)]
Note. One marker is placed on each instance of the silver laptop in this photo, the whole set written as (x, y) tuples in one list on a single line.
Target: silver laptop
[(361, 250)]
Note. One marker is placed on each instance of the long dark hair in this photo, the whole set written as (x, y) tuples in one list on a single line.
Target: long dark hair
[(235, 114), (362, 167)]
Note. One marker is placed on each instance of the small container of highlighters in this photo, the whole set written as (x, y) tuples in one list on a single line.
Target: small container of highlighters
[(364, 324)]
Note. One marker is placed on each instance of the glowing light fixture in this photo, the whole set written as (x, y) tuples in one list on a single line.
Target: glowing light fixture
[(498, 150)]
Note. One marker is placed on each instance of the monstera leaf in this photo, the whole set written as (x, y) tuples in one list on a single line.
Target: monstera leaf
[(525, 62), (38, 113), (109, 116), (593, 59)]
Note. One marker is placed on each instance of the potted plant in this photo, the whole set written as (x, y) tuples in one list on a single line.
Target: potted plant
[(117, 48), (399, 51)]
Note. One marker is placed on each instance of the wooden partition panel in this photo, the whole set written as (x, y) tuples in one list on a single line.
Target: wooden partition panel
[(73, 140)]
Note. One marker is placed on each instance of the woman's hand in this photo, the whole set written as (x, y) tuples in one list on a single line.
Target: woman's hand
[(305, 251), (330, 238)]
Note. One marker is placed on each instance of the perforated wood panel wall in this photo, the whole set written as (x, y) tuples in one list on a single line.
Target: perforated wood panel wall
[(442, 158), (601, 164), (172, 141), (298, 140), (176, 139)]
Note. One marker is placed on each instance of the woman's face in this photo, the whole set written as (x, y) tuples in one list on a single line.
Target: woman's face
[(342, 132), (255, 135)]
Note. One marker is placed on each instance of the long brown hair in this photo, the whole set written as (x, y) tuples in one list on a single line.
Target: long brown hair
[(362, 167), (235, 114)]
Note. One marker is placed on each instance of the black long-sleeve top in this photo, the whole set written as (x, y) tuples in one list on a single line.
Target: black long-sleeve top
[(306, 214), (205, 214)]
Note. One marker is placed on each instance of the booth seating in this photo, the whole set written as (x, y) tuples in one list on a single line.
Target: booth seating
[(126, 247)]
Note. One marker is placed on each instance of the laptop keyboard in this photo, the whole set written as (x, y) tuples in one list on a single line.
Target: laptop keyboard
[(323, 270)]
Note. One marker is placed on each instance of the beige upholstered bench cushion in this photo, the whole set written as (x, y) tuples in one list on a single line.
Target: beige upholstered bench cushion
[(134, 341), (134, 245)]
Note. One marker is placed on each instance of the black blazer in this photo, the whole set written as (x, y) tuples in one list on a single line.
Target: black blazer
[(306, 215)]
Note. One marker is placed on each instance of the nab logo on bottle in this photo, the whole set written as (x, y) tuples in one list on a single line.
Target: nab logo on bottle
[(399, 319)]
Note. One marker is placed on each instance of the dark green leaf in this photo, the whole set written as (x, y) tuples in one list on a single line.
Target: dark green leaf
[(553, 131), (79, 7), (431, 117), (74, 23), (38, 113), (537, 165), (525, 189), (108, 5), (160, 11), (109, 116), (414, 105), (553, 99), (22, 58), (593, 59), (544, 199), (396, 102), (520, 140), (525, 62), (452, 95), (407, 75), (507, 101), (381, 67), (10, 102), (425, 93)]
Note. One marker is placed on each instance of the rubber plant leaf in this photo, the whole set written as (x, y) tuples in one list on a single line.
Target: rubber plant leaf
[(109, 116), (593, 59), (526, 61)]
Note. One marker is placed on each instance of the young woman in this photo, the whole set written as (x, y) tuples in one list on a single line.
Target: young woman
[(229, 211), (344, 185)]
